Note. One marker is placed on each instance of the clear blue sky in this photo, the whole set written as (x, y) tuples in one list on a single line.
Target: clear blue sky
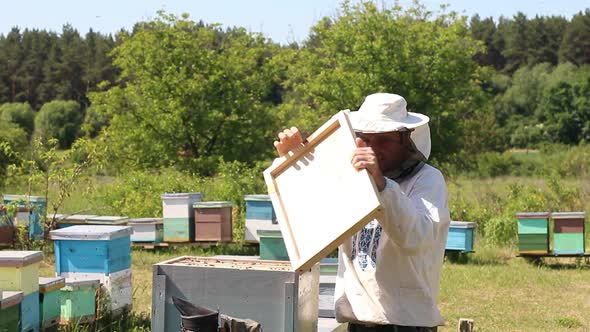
[(282, 20)]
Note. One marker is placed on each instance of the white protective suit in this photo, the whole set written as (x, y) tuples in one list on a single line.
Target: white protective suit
[(389, 272)]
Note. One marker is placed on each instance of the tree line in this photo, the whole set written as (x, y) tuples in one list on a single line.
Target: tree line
[(175, 92)]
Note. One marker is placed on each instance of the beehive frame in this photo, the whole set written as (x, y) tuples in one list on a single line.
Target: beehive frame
[(318, 196)]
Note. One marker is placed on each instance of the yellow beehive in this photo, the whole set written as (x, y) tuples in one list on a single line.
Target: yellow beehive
[(19, 271)]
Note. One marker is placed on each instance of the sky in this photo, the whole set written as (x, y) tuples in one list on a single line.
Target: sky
[(283, 21)]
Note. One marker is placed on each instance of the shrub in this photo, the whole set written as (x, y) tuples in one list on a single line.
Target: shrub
[(59, 119), (20, 114)]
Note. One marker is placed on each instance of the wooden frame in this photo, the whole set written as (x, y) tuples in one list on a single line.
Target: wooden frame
[(318, 196)]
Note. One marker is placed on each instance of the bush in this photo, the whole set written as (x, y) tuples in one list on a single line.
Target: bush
[(20, 114), (59, 119), (13, 141)]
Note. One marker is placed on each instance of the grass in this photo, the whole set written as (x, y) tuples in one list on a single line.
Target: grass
[(493, 287)]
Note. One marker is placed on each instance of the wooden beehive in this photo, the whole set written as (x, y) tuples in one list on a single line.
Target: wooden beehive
[(10, 310), (117, 292), (213, 221), (147, 230), (78, 301), (460, 236), (30, 210), (64, 220), (29, 313), (49, 292), (569, 233), (19, 271), (533, 232), (92, 249), (107, 221), (269, 292), (179, 217), (6, 229), (260, 215), (272, 246)]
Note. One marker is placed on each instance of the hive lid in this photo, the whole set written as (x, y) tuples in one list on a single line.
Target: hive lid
[(74, 218), (73, 284), (14, 258), (191, 196), (213, 204), (9, 299), (134, 221), (230, 262), (269, 233), (257, 197), (26, 198), (47, 284), (462, 224), (90, 232), (107, 220), (568, 215), (532, 215)]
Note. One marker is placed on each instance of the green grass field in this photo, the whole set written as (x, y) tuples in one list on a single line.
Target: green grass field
[(495, 288), (498, 290)]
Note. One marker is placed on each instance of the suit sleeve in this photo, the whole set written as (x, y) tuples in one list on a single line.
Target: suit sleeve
[(415, 220)]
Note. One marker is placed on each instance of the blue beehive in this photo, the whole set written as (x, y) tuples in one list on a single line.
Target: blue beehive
[(30, 211), (259, 207), (460, 236), (29, 313), (92, 249)]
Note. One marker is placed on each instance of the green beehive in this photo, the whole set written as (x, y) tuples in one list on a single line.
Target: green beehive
[(78, 301), (10, 311), (272, 246), (49, 308), (533, 232), (568, 233)]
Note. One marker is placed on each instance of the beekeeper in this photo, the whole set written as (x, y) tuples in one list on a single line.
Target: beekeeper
[(389, 272)]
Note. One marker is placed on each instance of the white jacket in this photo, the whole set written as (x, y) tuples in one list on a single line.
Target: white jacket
[(389, 272)]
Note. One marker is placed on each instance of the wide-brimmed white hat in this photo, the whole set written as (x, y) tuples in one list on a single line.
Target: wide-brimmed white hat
[(386, 112)]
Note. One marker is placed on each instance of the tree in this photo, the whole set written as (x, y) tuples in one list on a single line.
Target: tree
[(61, 120), (20, 114), (576, 41), (191, 94), (485, 31), (367, 49), (13, 142)]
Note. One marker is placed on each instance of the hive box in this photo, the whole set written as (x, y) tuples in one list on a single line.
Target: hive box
[(213, 221), (64, 220), (533, 232), (49, 308), (78, 301), (568, 233), (272, 246), (30, 212), (147, 230), (29, 313), (179, 216), (460, 236), (10, 310), (107, 221), (19, 271), (260, 215), (116, 288), (104, 249), (269, 292), (6, 229)]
